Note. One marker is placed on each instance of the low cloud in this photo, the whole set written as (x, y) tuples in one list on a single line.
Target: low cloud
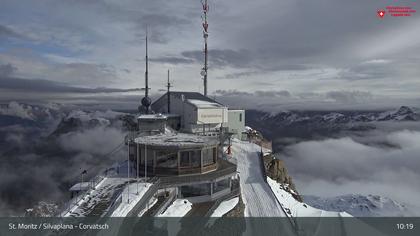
[(172, 60), (279, 100), (94, 141), (31, 162), (383, 164), (7, 70), (349, 96), (42, 85), (7, 32)]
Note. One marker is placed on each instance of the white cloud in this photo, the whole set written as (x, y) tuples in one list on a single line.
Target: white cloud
[(386, 164)]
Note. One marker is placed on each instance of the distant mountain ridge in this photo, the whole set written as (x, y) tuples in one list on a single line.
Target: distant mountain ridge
[(312, 124), (360, 205)]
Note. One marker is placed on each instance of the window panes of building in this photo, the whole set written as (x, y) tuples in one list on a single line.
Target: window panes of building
[(220, 185), (190, 158), (166, 159), (208, 156), (195, 190)]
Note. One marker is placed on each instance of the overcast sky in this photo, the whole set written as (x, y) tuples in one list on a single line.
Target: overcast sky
[(296, 47)]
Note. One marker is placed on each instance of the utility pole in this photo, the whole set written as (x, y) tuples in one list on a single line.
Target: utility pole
[(205, 35)]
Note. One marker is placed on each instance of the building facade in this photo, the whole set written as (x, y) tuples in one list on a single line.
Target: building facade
[(198, 113), (187, 162), (236, 122)]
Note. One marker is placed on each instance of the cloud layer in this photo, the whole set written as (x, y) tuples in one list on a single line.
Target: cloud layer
[(383, 163), (288, 45)]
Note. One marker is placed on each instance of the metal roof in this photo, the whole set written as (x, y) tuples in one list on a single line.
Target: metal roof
[(189, 95)]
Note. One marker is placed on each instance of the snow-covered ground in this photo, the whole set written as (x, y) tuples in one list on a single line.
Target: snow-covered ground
[(361, 205), (295, 208), (131, 195), (103, 190), (179, 208), (152, 202), (225, 207), (257, 196)]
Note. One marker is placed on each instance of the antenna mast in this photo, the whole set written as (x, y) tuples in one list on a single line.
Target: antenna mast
[(205, 35), (146, 74), (168, 94), (146, 101)]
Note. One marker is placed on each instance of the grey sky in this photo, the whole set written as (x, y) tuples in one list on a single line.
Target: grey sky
[(302, 47)]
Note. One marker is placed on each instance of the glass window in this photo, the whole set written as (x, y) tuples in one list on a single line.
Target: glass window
[(166, 159), (208, 158), (195, 158), (240, 117), (185, 159), (150, 156), (221, 185), (195, 190), (190, 159)]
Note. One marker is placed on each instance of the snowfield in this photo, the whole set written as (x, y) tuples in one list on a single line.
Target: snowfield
[(87, 201), (295, 208), (130, 198), (179, 208), (225, 207)]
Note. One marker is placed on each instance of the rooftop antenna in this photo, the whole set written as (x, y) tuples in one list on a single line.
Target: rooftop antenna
[(168, 94), (205, 35), (146, 101)]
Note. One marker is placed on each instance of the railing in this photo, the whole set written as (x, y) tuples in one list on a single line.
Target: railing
[(142, 203), (114, 205), (223, 170), (234, 193), (64, 209), (166, 203)]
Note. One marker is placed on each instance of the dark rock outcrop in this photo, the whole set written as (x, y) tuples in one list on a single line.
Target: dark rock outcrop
[(276, 170)]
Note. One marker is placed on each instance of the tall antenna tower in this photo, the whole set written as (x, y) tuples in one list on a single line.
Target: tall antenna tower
[(146, 101), (205, 35), (168, 86), (146, 73)]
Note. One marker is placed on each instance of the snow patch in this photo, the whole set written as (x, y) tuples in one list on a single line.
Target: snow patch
[(179, 208), (225, 207), (130, 198)]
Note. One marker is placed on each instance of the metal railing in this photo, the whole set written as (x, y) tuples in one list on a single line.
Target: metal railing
[(142, 203), (166, 203), (66, 208), (223, 170), (234, 193), (114, 205)]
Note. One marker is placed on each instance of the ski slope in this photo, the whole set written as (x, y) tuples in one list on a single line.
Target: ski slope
[(257, 196)]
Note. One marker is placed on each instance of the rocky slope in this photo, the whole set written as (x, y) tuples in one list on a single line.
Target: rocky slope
[(276, 170)]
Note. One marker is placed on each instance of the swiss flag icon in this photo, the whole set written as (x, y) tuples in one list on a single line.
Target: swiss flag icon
[(381, 13)]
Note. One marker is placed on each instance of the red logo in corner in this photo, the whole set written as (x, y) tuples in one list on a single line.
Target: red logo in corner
[(381, 13)]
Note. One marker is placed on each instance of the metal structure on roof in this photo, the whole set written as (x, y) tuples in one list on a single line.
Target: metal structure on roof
[(146, 101), (205, 36)]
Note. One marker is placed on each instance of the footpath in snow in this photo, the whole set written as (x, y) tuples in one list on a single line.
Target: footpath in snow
[(257, 196)]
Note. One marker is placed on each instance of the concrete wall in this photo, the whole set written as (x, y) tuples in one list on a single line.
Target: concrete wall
[(236, 122), (193, 118)]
